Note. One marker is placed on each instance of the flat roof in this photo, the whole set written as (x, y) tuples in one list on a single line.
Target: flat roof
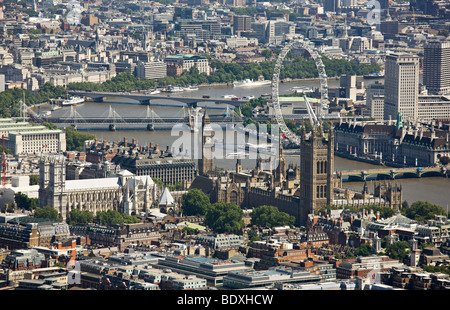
[(35, 132)]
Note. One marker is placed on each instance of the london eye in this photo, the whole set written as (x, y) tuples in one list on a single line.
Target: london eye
[(322, 110)]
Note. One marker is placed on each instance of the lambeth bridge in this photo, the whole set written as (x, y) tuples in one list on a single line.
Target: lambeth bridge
[(391, 174)]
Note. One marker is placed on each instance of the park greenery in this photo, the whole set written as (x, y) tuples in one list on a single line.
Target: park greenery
[(195, 202), (270, 216), (224, 217), (107, 218), (47, 212), (11, 99), (24, 202), (422, 211)]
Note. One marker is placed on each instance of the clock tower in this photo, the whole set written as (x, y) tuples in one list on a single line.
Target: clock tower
[(206, 160)]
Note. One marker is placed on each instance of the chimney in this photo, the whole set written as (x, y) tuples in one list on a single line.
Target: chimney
[(125, 142)]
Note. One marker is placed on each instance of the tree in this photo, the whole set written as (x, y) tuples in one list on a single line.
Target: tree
[(77, 216), (223, 217), (23, 201), (75, 140), (270, 216), (398, 250), (422, 210), (195, 202), (113, 217), (267, 54), (364, 250), (47, 212), (34, 179)]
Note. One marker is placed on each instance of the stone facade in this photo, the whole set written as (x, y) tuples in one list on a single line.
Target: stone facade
[(125, 192)]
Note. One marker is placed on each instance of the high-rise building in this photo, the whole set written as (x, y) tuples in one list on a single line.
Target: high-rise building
[(436, 67), (331, 5), (401, 89), (242, 23)]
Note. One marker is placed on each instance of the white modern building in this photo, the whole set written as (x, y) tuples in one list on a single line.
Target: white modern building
[(401, 89), (151, 70), (436, 67)]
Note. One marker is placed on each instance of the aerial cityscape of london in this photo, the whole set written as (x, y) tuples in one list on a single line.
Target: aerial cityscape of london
[(206, 147)]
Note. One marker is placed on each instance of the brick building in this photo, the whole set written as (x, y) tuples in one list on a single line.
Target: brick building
[(28, 232), (120, 236), (275, 253), (365, 266)]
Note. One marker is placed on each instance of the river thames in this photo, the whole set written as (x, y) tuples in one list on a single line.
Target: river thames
[(433, 189)]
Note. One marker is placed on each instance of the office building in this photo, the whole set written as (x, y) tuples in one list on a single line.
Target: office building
[(241, 23), (24, 138), (176, 64), (151, 70), (436, 67), (401, 89), (331, 5)]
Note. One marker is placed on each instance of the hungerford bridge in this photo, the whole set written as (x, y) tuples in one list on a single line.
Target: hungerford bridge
[(150, 120)]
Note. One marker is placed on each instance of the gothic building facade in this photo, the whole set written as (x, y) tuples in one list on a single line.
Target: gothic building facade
[(298, 190), (317, 168), (125, 192)]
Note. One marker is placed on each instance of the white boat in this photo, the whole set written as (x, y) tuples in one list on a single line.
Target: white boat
[(251, 83), (154, 92), (174, 89), (191, 88), (72, 101), (229, 96)]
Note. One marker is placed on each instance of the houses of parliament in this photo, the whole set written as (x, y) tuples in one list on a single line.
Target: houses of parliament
[(296, 189)]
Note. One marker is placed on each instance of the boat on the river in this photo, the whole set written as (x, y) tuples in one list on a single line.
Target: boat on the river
[(72, 101), (251, 83), (191, 88), (154, 92), (174, 89)]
